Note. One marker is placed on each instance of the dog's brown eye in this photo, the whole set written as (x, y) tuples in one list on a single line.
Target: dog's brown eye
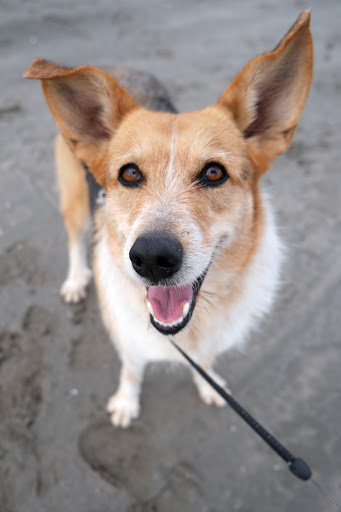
[(212, 175), (130, 175)]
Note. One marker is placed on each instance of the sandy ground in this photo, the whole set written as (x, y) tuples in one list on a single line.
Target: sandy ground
[(58, 451)]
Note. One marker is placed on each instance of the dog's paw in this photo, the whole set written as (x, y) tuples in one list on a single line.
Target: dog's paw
[(207, 394), (74, 288), (122, 410)]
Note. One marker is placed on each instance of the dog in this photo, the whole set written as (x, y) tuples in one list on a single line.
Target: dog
[(185, 241)]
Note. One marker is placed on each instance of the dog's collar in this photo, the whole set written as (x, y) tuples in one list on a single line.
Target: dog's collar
[(96, 192)]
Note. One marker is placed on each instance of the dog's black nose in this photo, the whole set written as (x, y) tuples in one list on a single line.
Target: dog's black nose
[(156, 256)]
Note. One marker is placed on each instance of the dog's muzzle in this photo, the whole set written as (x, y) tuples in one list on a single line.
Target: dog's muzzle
[(157, 257)]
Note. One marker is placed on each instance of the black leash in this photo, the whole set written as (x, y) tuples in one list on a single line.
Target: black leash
[(296, 465)]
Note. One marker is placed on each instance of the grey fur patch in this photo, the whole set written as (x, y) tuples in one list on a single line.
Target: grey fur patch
[(145, 88)]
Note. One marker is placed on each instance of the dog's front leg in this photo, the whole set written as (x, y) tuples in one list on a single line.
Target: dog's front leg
[(74, 204), (124, 405)]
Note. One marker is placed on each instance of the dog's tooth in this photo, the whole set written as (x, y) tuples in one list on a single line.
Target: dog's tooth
[(185, 309), (150, 308)]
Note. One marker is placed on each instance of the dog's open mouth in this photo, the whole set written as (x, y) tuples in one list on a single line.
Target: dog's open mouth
[(171, 307)]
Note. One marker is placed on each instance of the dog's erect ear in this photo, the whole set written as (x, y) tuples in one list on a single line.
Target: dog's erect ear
[(267, 97), (87, 104)]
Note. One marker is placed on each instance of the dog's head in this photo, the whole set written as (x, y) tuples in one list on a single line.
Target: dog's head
[(182, 189)]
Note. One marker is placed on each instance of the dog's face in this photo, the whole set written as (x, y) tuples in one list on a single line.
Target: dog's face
[(181, 189)]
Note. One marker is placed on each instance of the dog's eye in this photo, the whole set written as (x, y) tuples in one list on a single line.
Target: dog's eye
[(130, 175), (212, 175)]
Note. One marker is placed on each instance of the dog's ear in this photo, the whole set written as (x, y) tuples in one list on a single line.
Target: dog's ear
[(266, 99), (87, 104)]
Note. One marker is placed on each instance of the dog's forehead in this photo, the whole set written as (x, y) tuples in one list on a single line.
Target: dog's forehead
[(200, 136)]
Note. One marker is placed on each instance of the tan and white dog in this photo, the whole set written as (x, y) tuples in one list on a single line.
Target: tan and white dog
[(186, 243)]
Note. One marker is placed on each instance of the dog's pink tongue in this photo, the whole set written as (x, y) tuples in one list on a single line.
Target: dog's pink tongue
[(168, 301)]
